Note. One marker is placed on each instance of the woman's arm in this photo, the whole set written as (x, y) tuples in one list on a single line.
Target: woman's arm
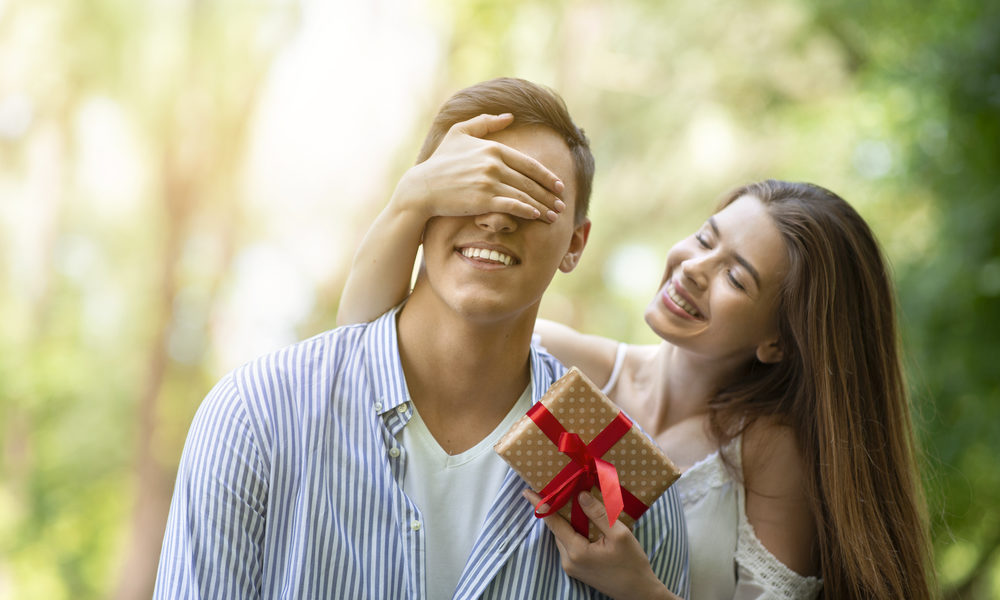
[(466, 175), (592, 354), (777, 503)]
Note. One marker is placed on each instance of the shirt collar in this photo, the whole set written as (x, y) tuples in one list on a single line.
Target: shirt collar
[(385, 368), (541, 377)]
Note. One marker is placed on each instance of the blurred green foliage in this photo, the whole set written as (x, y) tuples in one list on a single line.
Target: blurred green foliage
[(128, 213), (951, 298)]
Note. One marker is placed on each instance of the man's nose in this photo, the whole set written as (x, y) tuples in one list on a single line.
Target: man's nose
[(496, 222)]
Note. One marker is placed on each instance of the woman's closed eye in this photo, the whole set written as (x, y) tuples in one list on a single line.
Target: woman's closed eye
[(736, 282)]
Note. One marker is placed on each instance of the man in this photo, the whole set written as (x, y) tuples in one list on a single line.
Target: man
[(359, 463)]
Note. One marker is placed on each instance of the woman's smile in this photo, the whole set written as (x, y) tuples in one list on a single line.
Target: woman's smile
[(673, 300)]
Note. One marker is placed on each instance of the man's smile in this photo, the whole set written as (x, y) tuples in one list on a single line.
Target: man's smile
[(489, 255)]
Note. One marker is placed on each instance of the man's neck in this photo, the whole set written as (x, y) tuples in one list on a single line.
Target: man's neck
[(463, 376)]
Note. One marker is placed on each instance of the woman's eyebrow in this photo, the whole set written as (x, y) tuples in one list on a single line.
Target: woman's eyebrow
[(739, 257)]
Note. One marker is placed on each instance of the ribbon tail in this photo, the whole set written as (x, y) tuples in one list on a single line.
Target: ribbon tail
[(611, 490), (557, 497)]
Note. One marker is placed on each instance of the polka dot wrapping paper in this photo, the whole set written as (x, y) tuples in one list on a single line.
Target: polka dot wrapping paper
[(580, 407)]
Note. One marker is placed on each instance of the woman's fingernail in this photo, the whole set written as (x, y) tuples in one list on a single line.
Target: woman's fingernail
[(559, 185), (560, 206), (587, 500), (551, 216)]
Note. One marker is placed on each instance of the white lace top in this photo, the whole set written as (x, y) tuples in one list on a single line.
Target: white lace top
[(728, 561)]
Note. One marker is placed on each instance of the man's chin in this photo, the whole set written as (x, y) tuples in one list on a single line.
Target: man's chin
[(495, 311)]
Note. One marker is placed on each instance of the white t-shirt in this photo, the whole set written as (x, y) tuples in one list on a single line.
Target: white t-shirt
[(470, 480)]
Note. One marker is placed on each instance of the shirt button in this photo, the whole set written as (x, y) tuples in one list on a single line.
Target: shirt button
[(378, 407), (415, 525), (394, 452), (401, 408)]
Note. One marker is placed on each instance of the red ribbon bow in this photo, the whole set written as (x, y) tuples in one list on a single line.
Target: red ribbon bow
[(585, 470)]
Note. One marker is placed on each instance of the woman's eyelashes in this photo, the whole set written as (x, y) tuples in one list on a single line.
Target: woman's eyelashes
[(705, 242), (736, 282), (704, 237)]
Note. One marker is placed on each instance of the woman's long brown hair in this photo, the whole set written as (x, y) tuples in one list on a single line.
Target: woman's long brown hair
[(840, 386)]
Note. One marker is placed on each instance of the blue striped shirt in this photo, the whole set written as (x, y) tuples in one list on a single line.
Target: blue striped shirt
[(290, 486)]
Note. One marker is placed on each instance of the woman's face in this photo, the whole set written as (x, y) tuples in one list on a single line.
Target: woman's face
[(719, 294)]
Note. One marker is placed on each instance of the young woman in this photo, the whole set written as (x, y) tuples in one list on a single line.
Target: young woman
[(777, 387)]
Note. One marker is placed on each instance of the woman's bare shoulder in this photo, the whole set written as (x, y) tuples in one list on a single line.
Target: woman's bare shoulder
[(767, 445), (592, 354), (777, 498)]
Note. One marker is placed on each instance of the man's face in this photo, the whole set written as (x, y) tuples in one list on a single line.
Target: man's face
[(495, 266)]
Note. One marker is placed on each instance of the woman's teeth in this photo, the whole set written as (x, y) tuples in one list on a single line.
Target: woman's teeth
[(681, 302), (484, 254)]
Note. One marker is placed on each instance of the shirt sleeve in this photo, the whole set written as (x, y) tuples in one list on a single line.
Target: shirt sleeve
[(670, 559), (212, 547)]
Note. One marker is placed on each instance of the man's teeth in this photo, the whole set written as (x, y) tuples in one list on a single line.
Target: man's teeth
[(484, 254), (680, 301)]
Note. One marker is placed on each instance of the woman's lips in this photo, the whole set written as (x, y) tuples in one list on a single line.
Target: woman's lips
[(674, 300)]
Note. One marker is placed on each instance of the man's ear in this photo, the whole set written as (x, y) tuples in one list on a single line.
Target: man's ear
[(769, 351), (576, 245)]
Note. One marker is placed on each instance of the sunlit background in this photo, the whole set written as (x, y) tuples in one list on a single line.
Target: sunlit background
[(183, 184)]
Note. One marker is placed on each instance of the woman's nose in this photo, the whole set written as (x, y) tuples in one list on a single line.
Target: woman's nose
[(496, 222), (695, 270)]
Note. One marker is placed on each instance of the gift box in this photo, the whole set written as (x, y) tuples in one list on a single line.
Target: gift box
[(575, 439)]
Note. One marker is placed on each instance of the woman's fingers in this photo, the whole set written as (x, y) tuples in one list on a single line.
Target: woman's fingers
[(514, 201), (570, 541), (528, 191), (483, 125), (512, 206), (533, 170), (564, 533), (532, 182), (596, 511)]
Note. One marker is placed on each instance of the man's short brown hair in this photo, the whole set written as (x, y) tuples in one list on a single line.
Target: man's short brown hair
[(531, 104)]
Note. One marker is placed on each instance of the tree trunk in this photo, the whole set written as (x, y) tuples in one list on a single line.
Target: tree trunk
[(154, 481)]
